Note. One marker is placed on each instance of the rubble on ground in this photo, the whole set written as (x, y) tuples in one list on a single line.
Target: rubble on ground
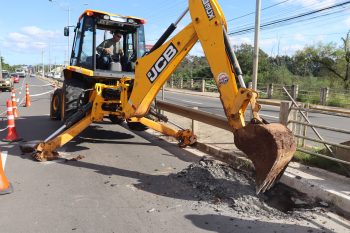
[(228, 188)]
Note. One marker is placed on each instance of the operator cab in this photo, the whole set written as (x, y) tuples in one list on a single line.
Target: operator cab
[(94, 31)]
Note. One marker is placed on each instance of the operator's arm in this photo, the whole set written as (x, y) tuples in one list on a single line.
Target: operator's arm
[(102, 46)]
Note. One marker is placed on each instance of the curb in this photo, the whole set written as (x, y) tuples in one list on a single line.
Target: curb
[(291, 177), (313, 189)]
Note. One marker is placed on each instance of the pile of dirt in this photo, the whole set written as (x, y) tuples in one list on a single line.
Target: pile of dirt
[(228, 188)]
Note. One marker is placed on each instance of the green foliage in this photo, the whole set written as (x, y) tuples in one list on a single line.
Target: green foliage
[(316, 161), (244, 53), (279, 74), (6, 66), (312, 68)]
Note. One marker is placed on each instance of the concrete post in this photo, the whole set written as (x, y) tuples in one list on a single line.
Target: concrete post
[(172, 82), (250, 85), (203, 85), (324, 95), (195, 124), (191, 84), (295, 90), (270, 91), (285, 113), (304, 129), (299, 127), (181, 83)]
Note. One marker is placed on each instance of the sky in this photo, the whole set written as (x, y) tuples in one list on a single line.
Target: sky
[(32, 31)]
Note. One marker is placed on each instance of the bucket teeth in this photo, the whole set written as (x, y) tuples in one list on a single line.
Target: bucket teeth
[(270, 147)]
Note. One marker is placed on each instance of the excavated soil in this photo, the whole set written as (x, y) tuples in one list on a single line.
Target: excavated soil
[(227, 188)]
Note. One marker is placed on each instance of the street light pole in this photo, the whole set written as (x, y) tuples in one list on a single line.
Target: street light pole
[(0, 66), (42, 61), (68, 51), (256, 45)]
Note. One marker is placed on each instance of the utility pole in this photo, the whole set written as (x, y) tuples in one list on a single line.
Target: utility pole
[(42, 61), (0, 66), (49, 57), (256, 44), (68, 36)]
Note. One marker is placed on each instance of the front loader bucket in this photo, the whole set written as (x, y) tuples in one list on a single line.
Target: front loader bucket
[(270, 147)]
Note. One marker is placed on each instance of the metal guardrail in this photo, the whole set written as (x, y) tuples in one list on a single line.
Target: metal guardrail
[(304, 121), (198, 115), (221, 122)]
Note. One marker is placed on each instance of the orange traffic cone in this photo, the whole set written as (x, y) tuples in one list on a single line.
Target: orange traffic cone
[(14, 103), (11, 133), (5, 185), (27, 97)]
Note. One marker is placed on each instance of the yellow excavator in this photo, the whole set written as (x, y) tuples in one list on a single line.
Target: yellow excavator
[(98, 85)]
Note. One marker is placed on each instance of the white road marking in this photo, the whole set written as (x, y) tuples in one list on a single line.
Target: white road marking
[(186, 101), (269, 116)]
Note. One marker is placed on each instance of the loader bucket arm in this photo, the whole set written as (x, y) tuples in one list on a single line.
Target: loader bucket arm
[(270, 147)]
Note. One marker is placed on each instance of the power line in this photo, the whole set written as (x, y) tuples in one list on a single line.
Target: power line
[(284, 20), (251, 13)]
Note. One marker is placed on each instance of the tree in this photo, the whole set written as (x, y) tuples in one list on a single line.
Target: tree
[(244, 53), (4, 65), (346, 47), (325, 60)]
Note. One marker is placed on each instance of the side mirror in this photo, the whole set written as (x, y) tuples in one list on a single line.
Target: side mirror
[(66, 31)]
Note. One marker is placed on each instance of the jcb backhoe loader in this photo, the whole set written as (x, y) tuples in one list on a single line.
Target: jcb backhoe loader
[(97, 86)]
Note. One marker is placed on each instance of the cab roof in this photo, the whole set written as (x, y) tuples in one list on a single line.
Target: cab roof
[(87, 12)]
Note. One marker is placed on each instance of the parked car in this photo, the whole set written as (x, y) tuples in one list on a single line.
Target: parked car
[(6, 83), (57, 75), (32, 75), (15, 77)]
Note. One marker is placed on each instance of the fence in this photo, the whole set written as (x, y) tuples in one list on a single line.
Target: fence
[(295, 117), (321, 96)]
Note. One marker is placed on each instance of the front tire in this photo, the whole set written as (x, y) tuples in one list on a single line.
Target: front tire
[(73, 89), (56, 105)]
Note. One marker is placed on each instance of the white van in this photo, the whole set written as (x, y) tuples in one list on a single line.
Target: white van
[(21, 73)]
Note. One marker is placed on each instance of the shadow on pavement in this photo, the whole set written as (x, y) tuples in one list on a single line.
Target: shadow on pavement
[(226, 224)]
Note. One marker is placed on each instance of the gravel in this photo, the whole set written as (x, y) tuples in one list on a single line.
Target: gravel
[(227, 188)]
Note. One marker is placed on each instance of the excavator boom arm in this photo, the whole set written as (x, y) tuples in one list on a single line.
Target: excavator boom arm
[(208, 26), (270, 146)]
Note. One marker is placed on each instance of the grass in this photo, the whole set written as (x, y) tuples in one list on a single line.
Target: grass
[(316, 161), (338, 101)]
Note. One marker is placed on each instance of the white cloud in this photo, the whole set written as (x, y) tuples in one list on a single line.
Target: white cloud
[(299, 37), (268, 42), (30, 39), (197, 50), (38, 32), (240, 40), (312, 4), (347, 22), (291, 48), (17, 37)]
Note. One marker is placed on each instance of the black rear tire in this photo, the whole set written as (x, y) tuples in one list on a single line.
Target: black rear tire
[(56, 105), (73, 88)]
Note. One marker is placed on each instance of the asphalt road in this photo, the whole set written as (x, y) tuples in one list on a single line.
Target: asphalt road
[(270, 113), (121, 185)]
